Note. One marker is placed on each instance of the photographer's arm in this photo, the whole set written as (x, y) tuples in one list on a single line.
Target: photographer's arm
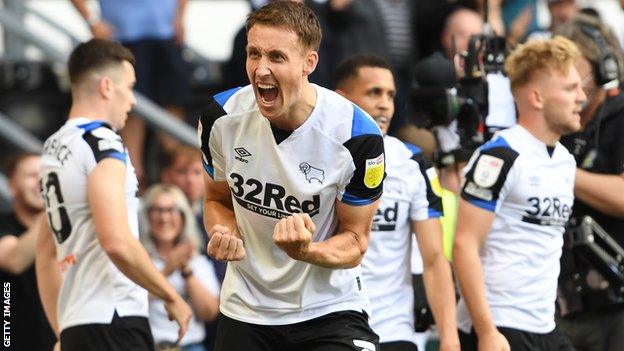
[(603, 192)]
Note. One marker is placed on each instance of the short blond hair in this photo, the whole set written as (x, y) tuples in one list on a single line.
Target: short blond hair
[(556, 54)]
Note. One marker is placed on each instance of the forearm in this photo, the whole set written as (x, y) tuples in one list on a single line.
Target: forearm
[(603, 192), (49, 284), (132, 260), (440, 292), (343, 250), (204, 303), (216, 212), (22, 255), (469, 274), (48, 275), (82, 8)]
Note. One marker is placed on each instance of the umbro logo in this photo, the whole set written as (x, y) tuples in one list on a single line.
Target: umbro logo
[(242, 154)]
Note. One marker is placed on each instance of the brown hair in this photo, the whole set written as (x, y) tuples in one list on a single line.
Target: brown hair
[(13, 161), (293, 16), (573, 30), (95, 55), (556, 54), (180, 152)]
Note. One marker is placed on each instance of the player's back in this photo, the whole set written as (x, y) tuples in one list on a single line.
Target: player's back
[(93, 288)]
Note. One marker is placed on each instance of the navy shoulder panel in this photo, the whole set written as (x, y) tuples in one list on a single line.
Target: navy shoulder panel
[(488, 174), (103, 141)]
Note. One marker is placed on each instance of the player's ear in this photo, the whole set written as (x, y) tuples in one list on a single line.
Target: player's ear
[(536, 98), (310, 62), (105, 87)]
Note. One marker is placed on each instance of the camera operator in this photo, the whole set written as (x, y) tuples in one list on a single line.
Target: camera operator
[(592, 307), (438, 70)]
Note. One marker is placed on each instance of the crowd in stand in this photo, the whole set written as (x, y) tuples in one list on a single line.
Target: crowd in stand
[(405, 33)]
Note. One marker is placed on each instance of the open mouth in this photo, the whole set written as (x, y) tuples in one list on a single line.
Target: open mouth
[(381, 120), (268, 92)]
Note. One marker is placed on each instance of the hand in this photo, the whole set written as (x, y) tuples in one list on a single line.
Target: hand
[(293, 234), (178, 257), (493, 341), (180, 311), (102, 30), (225, 244)]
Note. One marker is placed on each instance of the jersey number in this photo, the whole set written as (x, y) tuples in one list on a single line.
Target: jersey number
[(57, 213)]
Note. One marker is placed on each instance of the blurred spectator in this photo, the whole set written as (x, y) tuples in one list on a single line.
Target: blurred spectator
[(561, 11), (519, 17), (438, 70), (183, 168), (29, 327), (384, 28), (172, 242), (154, 31)]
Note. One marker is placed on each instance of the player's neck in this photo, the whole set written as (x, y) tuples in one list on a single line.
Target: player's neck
[(300, 111), (538, 128), (88, 109)]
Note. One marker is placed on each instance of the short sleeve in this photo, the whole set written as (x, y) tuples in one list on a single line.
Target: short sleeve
[(210, 140), (103, 142), (486, 174), (425, 203), (367, 152)]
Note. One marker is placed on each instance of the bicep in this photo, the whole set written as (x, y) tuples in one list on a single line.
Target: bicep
[(473, 222), (217, 191), (429, 236), (45, 241), (106, 196), (356, 219)]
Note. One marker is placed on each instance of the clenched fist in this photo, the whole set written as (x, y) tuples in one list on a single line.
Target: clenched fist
[(224, 245), (293, 234)]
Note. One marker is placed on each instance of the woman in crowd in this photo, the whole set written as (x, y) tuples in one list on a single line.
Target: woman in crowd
[(172, 241)]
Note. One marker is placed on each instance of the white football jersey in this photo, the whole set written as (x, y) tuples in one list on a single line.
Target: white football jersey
[(92, 288), (335, 155), (530, 188), (407, 196)]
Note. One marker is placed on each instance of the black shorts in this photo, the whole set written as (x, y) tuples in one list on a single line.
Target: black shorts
[(161, 72), (123, 334), (522, 341), (339, 331), (398, 346)]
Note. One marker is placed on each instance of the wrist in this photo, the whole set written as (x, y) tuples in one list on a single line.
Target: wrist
[(186, 273), (93, 19)]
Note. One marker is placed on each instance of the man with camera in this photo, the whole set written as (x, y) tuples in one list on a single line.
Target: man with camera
[(591, 299), (516, 199)]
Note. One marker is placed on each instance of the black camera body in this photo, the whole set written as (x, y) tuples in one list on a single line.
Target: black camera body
[(592, 268), (439, 98)]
